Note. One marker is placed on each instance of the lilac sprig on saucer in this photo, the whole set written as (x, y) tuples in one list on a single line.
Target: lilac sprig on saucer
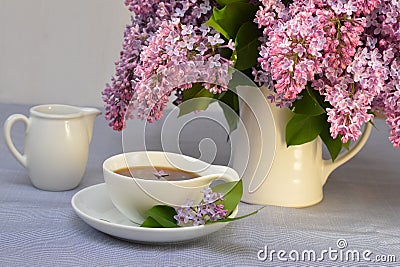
[(217, 205), (206, 210)]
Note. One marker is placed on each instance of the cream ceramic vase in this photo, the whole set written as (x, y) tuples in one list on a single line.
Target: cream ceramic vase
[(274, 174)]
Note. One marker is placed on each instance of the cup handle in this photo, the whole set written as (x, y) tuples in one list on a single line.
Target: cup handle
[(7, 136), (226, 174), (329, 166)]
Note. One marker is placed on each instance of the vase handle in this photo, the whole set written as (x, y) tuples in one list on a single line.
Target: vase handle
[(329, 166)]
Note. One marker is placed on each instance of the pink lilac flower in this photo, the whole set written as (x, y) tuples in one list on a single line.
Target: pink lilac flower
[(383, 28), (290, 53), (171, 62), (352, 94), (206, 210), (347, 49)]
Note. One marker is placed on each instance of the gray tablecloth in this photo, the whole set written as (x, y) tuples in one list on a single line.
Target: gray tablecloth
[(361, 207)]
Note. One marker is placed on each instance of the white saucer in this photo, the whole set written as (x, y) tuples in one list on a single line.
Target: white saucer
[(94, 206)]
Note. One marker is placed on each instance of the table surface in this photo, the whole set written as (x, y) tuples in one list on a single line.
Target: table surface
[(361, 206)]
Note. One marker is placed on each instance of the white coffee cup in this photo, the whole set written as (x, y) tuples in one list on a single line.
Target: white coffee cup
[(133, 196)]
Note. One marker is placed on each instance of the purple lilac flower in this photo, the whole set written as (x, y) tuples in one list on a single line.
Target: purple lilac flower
[(206, 210), (160, 174), (146, 20)]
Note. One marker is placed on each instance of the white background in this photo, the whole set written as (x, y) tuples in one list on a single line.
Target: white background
[(59, 51)]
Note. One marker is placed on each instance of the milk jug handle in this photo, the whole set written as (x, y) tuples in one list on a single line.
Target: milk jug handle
[(7, 136), (329, 166)]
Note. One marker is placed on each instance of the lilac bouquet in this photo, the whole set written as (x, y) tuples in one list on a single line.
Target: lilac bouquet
[(335, 63)]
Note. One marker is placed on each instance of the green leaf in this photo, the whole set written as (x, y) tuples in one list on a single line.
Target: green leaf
[(229, 102), (372, 122), (160, 215), (228, 20), (238, 79), (308, 104), (197, 90), (225, 52), (246, 44), (319, 98), (195, 98), (231, 119), (347, 145), (227, 219), (334, 146), (150, 222), (226, 2), (232, 192), (303, 128), (198, 98), (193, 105), (212, 22)]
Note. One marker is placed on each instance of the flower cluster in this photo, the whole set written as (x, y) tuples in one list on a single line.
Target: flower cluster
[(207, 210), (165, 37), (348, 50), (383, 36), (176, 57)]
